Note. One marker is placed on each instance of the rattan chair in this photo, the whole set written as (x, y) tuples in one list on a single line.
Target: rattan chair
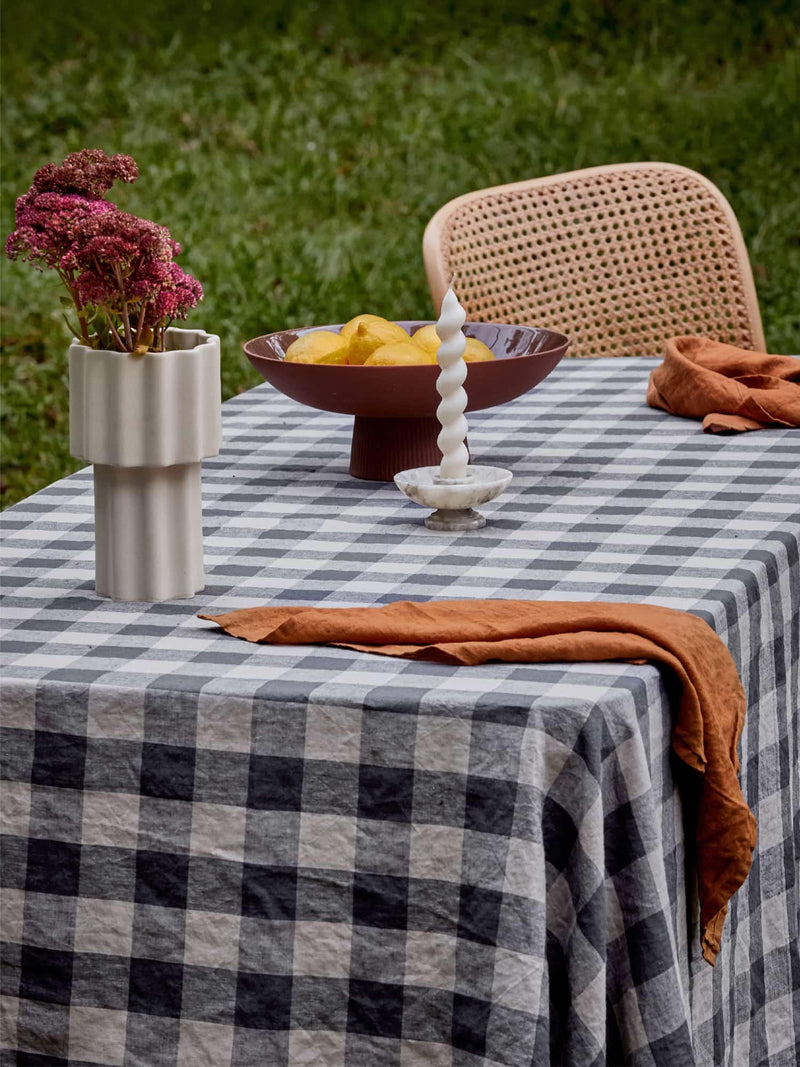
[(620, 258)]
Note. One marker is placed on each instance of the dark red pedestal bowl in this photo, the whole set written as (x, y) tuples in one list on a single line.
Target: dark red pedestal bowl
[(395, 407)]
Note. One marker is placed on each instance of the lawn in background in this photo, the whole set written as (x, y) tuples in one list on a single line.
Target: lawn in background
[(297, 151)]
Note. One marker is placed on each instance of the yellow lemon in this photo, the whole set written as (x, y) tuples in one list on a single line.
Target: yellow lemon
[(476, 351), (317, 347), (350, 327), (369, 336), (427, 338), (398, 354)]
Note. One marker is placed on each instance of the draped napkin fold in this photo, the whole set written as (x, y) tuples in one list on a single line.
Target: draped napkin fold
[(710, 704), (729, 388)]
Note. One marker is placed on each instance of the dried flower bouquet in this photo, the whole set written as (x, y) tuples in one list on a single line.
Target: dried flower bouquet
[(118, 269)]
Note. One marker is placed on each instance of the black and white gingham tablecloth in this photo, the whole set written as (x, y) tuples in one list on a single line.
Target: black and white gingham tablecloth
[(219, 853)]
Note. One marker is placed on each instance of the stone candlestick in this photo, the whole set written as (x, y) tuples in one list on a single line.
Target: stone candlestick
[(454, 487)]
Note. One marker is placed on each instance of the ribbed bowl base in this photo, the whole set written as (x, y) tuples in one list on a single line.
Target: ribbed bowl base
[(382, 447)]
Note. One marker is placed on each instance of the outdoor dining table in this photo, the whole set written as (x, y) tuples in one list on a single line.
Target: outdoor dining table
[(221, 853)]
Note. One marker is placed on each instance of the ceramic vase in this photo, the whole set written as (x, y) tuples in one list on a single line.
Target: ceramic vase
[(145, 423)]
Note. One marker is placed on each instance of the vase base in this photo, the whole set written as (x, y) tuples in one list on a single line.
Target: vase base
[(145, 597), (148, 532)]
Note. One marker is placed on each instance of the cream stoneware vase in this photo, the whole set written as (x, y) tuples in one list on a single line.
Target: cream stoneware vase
[(146, 422)]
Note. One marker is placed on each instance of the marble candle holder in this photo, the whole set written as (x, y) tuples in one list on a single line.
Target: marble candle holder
[(454, 501)]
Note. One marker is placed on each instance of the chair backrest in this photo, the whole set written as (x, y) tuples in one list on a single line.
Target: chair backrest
[(620, 258)]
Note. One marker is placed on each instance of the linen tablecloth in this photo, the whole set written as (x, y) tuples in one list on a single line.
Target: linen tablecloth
[(216, 853)]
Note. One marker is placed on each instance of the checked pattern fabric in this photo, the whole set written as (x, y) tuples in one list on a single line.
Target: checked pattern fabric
[(217, 853)]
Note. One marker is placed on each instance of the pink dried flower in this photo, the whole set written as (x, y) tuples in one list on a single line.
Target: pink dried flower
[(147, 280), (89, 173), (97, 287), (99, 283), (118, 239), (48, 224), (177, 297), (166, 288)]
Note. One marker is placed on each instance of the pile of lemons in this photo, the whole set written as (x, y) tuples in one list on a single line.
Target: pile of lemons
[(370, 341)]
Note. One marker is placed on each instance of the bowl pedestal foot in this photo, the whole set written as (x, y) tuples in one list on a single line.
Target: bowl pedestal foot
[(382, 447)]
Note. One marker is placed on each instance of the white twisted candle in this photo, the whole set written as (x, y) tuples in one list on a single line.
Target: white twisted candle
[(450, 386)]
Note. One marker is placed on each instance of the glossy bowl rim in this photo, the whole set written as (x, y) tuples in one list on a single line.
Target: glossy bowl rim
[(560, 340)]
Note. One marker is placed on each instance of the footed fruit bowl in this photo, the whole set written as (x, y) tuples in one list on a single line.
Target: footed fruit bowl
[(395, 407)]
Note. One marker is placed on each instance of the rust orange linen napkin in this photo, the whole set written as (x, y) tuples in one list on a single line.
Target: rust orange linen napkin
[(709, 715), (729, 388)]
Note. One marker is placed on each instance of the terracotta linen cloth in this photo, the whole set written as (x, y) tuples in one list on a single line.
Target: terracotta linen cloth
[(729, 388), (710, 709)]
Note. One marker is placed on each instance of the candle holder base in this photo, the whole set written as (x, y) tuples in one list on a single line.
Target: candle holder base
[(454, 501), (455, 520)]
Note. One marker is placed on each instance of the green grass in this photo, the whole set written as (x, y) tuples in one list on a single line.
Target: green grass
[(297, 151)]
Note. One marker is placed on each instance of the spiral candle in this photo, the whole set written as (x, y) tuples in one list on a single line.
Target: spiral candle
[(450, 386)]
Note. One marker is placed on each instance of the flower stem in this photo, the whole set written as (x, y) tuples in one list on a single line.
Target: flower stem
[(114, 332), (126, 320), (76, 300), (139, 324)]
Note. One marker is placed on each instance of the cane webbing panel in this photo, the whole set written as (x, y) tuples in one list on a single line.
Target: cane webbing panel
[(619, 258)]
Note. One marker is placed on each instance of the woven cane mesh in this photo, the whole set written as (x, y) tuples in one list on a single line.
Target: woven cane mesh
[(619, 259)]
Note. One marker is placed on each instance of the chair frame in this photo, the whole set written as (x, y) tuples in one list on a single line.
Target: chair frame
[(439, 276)]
